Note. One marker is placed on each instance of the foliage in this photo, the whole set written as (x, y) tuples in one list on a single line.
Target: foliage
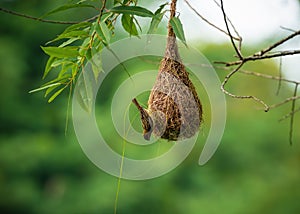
[(42, 171), (78, 43)]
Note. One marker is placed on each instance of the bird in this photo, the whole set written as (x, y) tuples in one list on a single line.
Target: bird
[(146, 119)]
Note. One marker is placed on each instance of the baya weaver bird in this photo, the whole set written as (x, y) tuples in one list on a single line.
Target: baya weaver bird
[(147, 122)]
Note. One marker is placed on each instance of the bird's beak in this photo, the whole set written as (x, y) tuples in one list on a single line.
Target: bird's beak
[(147, 135)]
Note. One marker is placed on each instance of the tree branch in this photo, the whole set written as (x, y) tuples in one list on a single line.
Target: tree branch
[(285, 101), (45, 20), (238, 96), (276, 44), (233, 27), (237, 50), (293, 115), (280, 77), (207, 21), (289, 115), (171, 33), (266, 76), (255, 57)]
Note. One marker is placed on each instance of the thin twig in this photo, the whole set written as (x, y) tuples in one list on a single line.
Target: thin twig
[(276, 44), (257, 57), (262, 54), (230, 35), (289, 115), (266, 107), (90, 19), (288, 29), (36, 18), (266, 76), (233, 27), (280, 76), (102, 8), (207, 21), (293, 116), (274, 55), (285, 101)]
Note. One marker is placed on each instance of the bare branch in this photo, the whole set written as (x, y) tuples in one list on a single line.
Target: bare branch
[(102, 8), (238, 96), (276, 44), (261, 55), (280, 76), (233, 27), (274, 55), (285, 101), (207, 21), (289, 115), (293, 115), (257, 57), (288, 29), (266, 76), (237, 50), (35, 18)]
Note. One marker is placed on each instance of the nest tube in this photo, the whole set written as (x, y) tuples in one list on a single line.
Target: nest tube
[(174, 108)]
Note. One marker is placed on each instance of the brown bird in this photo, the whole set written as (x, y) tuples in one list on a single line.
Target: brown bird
[(147, 122)]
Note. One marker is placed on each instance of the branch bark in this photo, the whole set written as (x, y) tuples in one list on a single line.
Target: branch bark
[(45, 20)]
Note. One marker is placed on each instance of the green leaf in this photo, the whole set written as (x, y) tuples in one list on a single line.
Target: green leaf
[(155, 22), (59, 62), (109, 4), (84, 90), (67, 7), (132, 10), (103, 31), (178, 29), (61, 80), (161, 7), (84, 47), (74, 70), (69, 41), (72, 34), (67, 66), (96, 64), (88, 54), (129, 1), (78, 26), (86, 43), (56, 94), (79, 34), (44, 87), (117, 2), (125, 2), (128, 24), (137, 23), (106, 17), (49, 90), (48, 67), (79, 2), (61, 52)]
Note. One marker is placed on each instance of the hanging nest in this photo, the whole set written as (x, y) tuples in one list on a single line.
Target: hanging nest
[(174, 109)]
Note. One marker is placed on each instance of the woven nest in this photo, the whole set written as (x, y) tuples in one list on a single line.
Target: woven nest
[(175, 97), (174, 108)]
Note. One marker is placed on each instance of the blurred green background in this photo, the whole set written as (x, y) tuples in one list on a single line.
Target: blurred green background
[(255, 170)]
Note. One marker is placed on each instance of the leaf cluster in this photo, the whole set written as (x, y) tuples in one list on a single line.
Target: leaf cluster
[(79, 43)]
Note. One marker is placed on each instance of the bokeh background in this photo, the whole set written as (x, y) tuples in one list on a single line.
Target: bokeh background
[(43, 170)]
